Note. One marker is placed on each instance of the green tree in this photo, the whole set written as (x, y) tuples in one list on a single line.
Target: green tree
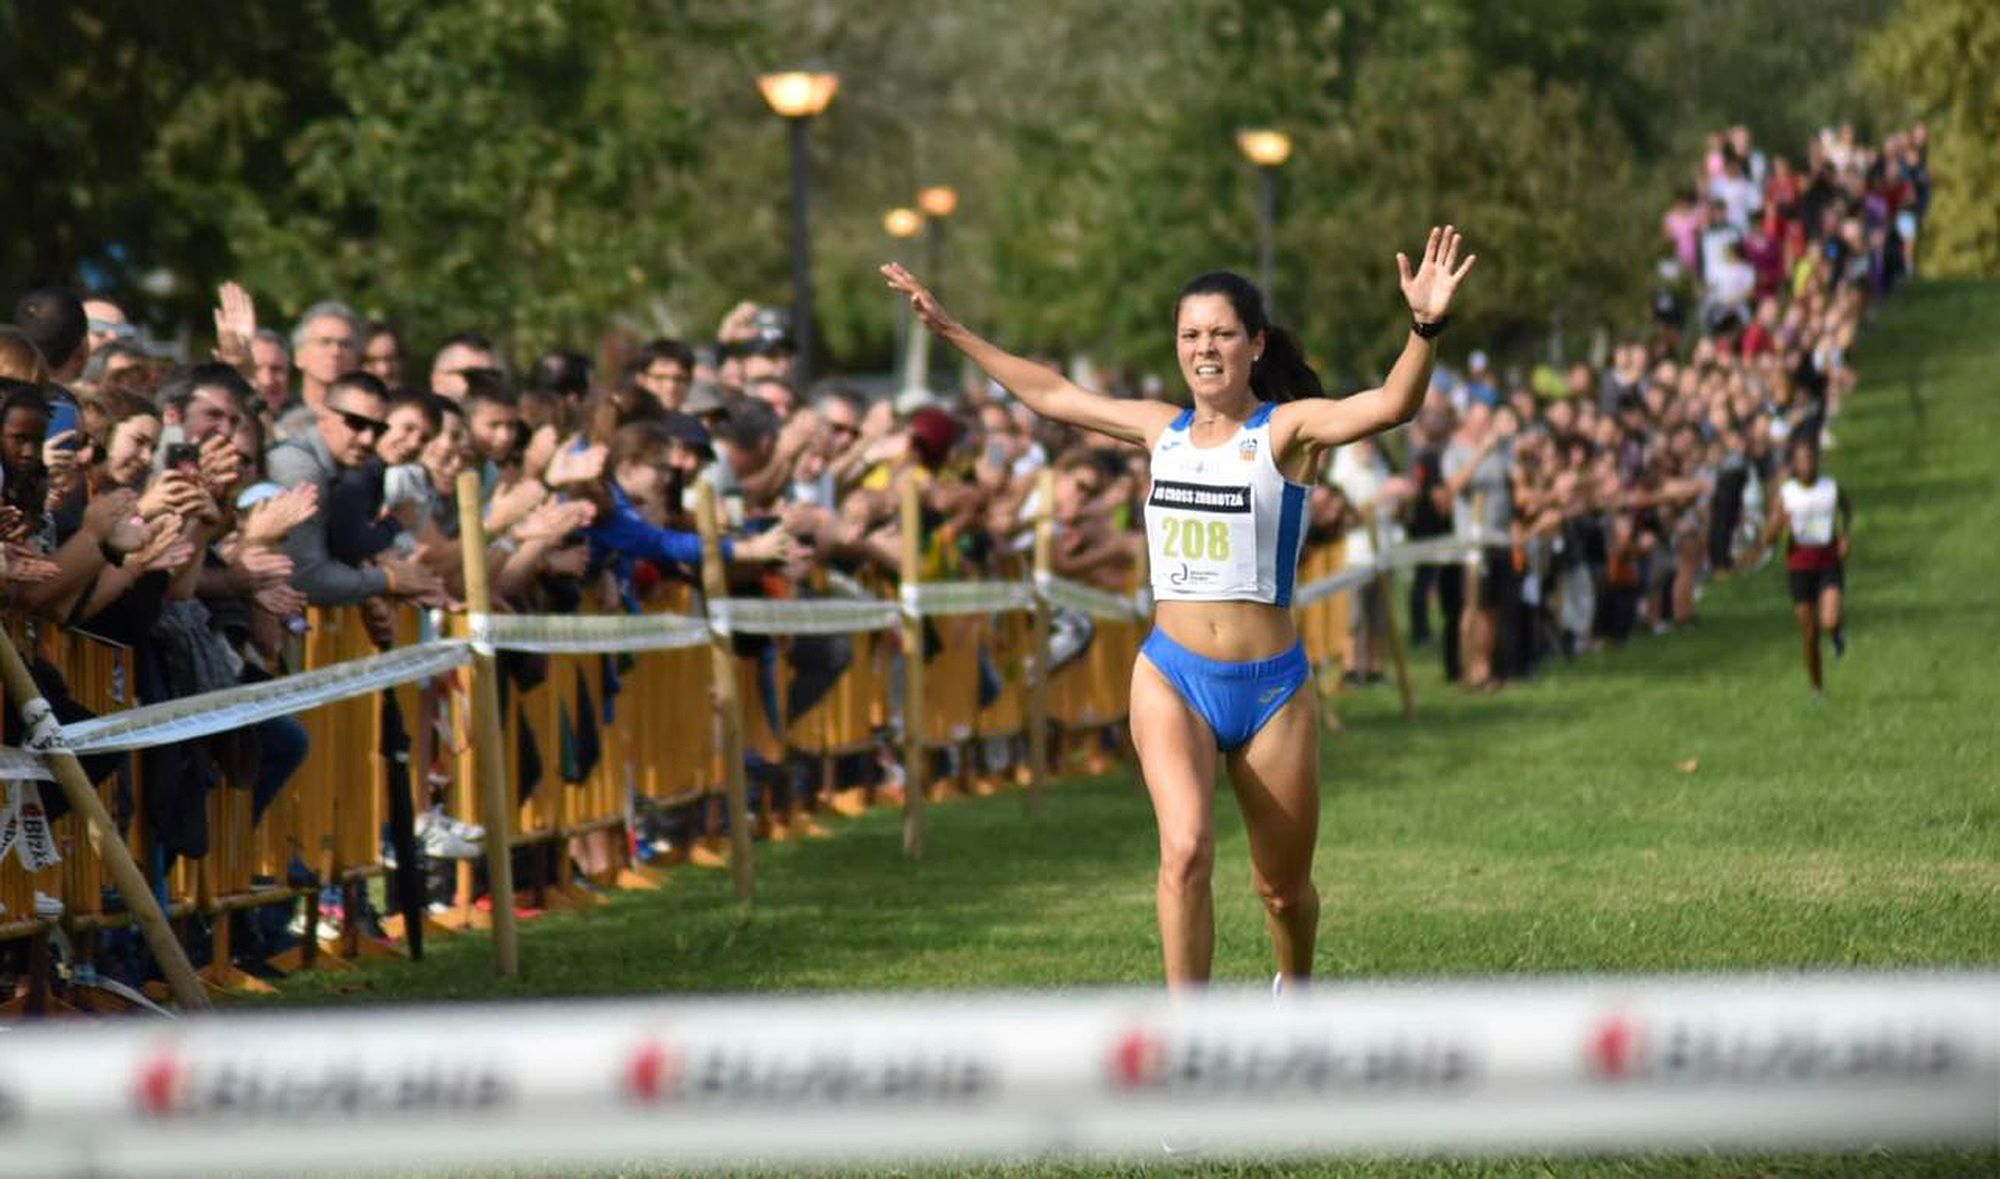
[(1937, 60)]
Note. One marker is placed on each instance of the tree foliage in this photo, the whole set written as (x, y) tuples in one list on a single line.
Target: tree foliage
[(542, 169), (1939, 59)]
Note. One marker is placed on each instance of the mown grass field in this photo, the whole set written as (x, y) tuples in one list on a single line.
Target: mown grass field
[(1679, 805)]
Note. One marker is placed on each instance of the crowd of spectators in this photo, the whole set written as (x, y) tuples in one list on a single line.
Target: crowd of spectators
[(194, 511), (1607, 494)]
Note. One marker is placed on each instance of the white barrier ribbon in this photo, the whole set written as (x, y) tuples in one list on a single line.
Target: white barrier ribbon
[(20, 763), (249, 704), (934, 599), (591, 634), (1100, 604), (1349, 578), (24, 826), (801, 616), (1599, 1066)]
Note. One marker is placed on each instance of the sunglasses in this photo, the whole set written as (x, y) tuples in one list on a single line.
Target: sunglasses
[(360, 423)]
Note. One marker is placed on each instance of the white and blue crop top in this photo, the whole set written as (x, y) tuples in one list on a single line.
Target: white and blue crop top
[(1223, 524)]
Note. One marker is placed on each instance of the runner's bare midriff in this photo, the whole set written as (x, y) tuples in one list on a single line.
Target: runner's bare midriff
[(1235, 632)]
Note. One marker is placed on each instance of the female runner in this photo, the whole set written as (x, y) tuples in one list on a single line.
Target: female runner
[(1812, 515), (1218, 678)]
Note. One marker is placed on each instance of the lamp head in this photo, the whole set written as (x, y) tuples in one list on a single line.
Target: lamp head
[(798, 94), (1265, 147), (938, 200)]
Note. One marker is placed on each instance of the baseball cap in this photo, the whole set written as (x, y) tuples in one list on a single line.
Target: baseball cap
[(932, 434), (687, 430)]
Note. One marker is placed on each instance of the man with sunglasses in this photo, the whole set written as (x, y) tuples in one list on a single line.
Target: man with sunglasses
[(347, 424), (106, 323)]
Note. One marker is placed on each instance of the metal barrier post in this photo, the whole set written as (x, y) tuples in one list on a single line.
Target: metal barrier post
[(715, 587), (41, 732), (489, 750)]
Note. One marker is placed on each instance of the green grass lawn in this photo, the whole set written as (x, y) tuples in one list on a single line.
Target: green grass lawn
[(1552, 827)]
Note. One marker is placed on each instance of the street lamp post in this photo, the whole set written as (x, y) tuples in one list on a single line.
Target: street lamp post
[(798, 96), (1268, 148), (938, 202), (904, 224)]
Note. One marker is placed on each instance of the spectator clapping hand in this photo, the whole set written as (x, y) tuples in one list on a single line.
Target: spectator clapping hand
[(549, 522), (270, 520), (772, 547), (22, 564), (222, 467), (167, 546), (576, 466)]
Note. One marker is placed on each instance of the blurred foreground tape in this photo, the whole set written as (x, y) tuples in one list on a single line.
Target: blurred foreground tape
[(1821, 1063)]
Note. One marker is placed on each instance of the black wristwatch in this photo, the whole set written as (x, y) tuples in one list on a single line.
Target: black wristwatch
[(1431, 330), (111, 556)]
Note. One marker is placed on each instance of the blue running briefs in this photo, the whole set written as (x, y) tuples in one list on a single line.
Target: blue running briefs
[(1236, 699)]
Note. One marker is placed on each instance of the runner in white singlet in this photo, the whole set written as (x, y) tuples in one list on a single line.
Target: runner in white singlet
[(1812, 515), (1218, 678)]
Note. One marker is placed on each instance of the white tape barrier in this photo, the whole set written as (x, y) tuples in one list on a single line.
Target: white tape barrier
[(588, 634), (1433, 550), (1099, 604), (801, 616), (1601, 1066), (249, 704), (936, 599)]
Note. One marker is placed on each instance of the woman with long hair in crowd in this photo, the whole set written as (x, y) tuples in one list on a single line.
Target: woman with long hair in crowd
[(1219, 677)]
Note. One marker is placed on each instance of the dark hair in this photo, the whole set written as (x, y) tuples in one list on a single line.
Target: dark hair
[(487, 386), (1281, 373), (21, 395), (747, 423), (178, 389), (361, 380), (665, 349), (560, 372), (53, 318), (26, 489), (640, 441), (425, 403), (477, 341)]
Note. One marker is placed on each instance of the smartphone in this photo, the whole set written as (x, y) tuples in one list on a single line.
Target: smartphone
[(184, 457), (62, 420), (996, 454)]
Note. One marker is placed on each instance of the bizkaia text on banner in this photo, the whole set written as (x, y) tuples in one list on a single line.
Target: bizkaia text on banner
[(788, 1077), (1691, 1049), (171, 1085), (1284, 1061)]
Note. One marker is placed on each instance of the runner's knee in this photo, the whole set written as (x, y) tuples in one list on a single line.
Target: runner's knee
[(1283, 898), (1187, 861)]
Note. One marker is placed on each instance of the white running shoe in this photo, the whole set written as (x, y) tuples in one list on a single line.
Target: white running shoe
[(446, 838)]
